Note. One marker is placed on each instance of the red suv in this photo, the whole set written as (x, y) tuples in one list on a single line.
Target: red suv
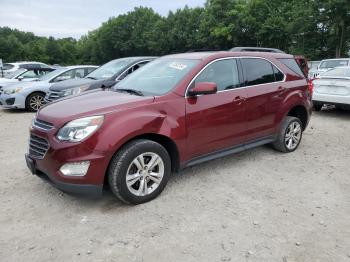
[(177, 111)]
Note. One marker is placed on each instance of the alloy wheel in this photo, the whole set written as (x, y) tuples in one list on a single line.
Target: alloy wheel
[(145, 174), (36, 102), (293, 135)]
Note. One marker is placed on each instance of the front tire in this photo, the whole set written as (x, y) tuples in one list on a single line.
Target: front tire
[(139, 171), (290, 135), (35, 101)]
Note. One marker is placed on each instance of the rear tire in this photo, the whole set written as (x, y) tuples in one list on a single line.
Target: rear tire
[(139, 171), (290, 135), (35, 101), (318, 107)]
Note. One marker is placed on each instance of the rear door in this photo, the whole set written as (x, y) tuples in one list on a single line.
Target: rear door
[(216, 121), (266, 91)]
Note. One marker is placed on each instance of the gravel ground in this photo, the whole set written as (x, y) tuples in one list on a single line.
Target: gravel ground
[(259, 205)]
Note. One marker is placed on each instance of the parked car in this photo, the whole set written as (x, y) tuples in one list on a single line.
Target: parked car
[(328, 64), (105, 76), (9, 68), (30, 95), (175, 112), (25, 75), (333, 88)]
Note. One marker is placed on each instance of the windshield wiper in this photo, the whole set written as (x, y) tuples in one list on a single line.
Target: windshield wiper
[(132, 91)]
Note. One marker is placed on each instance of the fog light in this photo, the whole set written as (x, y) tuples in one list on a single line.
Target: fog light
[(75, 168)]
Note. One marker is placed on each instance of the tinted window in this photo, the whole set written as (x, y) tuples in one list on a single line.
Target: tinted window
[(278, 74), (224, 73), (292, 64), (257, 71)]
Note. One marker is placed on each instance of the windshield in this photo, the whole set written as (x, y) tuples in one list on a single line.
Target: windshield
[(158, 77), (110, 69), (15, 74), (337, 72), (333, 63), (52, 74)]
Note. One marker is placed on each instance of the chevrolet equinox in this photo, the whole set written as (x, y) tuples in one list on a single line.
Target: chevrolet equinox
[(175, 112)]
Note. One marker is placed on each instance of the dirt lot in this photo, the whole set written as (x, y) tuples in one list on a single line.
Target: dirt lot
[(259, 205)]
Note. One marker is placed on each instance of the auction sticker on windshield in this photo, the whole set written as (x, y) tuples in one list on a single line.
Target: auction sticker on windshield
[(177, 66)]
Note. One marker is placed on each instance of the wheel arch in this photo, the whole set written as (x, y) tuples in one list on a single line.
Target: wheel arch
[(169, 145), (31, 93), (300, 112)]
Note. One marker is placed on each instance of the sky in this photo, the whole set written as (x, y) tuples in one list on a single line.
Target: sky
[(74, 18)]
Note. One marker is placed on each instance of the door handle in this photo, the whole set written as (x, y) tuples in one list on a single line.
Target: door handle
[(282, 89), (238, 100)]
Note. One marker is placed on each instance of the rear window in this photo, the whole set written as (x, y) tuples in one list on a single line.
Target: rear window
[(333, 63), (337, 72), (292, 64)]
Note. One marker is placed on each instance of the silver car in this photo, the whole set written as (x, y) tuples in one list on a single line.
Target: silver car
[(328, 64), (30, 95), (332, 87)]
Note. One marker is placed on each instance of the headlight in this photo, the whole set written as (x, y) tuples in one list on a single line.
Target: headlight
[(75, 91), (78, 129), (12, 90)]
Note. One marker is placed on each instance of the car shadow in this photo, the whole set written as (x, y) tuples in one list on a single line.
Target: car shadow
[(332, 112)]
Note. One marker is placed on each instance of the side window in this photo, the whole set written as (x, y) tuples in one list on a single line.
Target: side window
[(79, 73), (278, 74), (64, 76), (224, 73), (292, 64), (257, 71), (89, 70), (29, 74)]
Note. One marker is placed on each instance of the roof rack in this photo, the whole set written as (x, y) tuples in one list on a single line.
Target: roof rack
[(203, 50), (256, 49)]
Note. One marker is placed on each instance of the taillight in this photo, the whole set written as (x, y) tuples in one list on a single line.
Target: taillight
[(310, 86)]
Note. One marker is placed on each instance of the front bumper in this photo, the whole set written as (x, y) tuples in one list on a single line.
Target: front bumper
[(60, 153), (81, 189), (12, 101)]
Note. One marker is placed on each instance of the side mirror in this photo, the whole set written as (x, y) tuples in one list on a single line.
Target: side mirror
[(20, 78), (203, 88)]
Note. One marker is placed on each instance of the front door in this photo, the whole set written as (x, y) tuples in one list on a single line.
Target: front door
[(216, 121)]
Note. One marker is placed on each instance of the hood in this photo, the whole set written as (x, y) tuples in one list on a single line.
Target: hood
[(71, 83), (89, 104), (7, 81)]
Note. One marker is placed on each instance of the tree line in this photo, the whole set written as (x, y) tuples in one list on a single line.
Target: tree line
[(315, 28)]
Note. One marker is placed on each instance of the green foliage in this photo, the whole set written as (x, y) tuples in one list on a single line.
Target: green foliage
[(316, 28)]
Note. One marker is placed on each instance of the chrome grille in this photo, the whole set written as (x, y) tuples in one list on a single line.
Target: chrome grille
[(53, 95), (42, 124), (38, 147)]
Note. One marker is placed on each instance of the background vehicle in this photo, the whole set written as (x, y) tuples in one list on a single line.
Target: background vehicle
[(105, 76), (30, 95), (9, 68), (328, 64), (178, 111), (313, 65), (303, 64), (31, 74), (332, 87)]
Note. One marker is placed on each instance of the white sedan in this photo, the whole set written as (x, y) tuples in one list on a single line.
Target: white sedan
[(332, 88), (30, 95)]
